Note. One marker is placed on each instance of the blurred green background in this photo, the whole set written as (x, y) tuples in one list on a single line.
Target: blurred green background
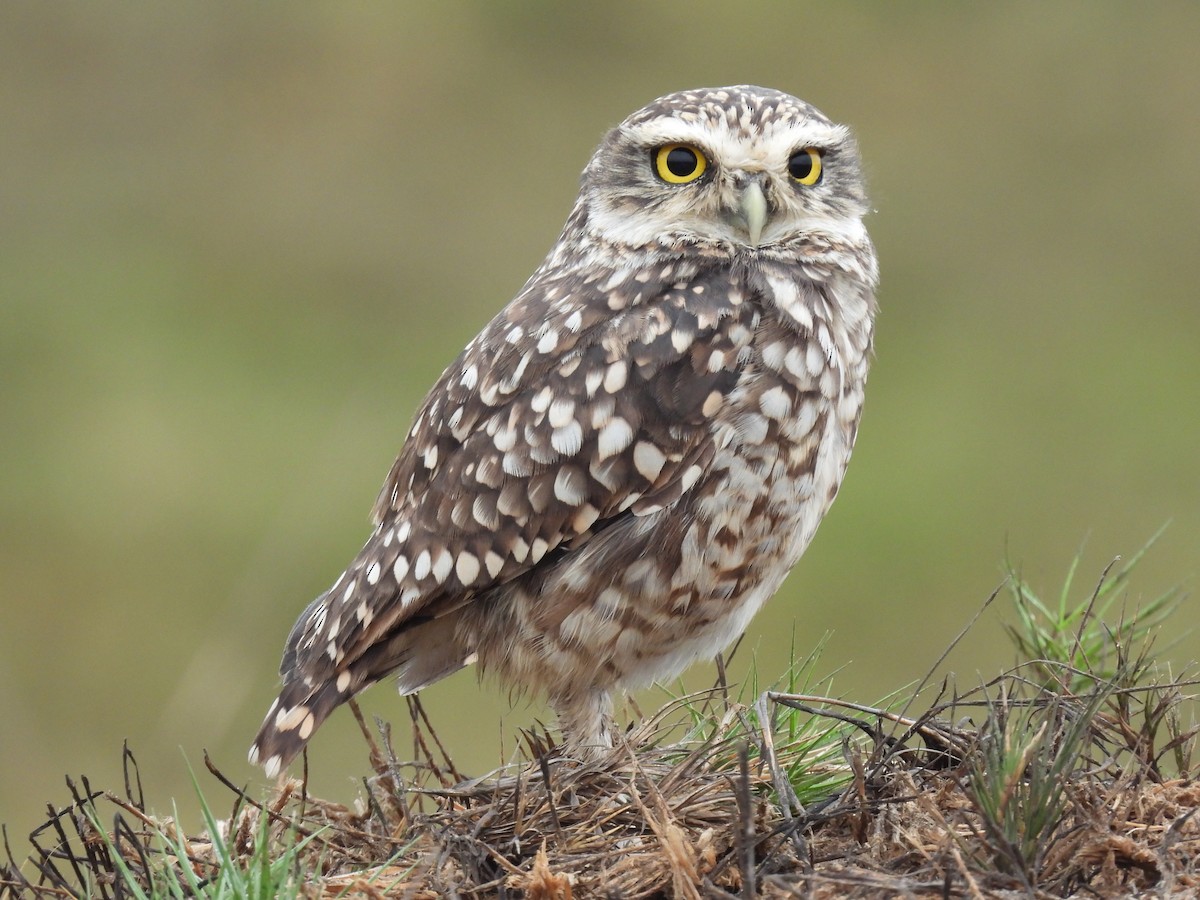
[(239, 241)]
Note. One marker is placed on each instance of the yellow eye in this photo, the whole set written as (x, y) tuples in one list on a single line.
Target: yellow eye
[(679, 163), (805, 165)]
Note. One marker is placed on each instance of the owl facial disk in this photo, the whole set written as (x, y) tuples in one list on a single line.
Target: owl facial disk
[(738, 169)]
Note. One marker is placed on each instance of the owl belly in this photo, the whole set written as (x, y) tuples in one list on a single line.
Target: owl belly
[(645, 599), (749, 526)]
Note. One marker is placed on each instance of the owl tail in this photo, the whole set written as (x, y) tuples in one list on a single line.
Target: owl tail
[(418, 654), (293, 718)]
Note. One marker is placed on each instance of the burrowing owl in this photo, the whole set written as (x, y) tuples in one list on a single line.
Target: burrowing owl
[(618, 471)]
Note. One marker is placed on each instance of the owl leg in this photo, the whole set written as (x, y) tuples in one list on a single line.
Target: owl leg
[(586, 721)]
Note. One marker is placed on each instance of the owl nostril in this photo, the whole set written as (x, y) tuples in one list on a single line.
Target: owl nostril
[(744, 181)]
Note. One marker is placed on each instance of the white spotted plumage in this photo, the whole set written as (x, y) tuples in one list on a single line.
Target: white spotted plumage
[(623, 465)]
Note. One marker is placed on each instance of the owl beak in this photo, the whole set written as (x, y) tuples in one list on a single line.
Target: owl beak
[(752, 209)]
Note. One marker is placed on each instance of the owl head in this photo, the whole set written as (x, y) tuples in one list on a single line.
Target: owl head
[(740, 170)]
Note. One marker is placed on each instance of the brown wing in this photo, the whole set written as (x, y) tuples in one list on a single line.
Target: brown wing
[(582, 401)]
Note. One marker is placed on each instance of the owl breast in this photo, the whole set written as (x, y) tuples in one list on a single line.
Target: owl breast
[(644, 599)]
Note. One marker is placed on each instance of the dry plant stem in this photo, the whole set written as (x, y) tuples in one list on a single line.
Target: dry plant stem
[(415, 702), (374, 754), (805, 703), (965, 871), (1077, 649), (746, 816), (544, 765), (783, 788)]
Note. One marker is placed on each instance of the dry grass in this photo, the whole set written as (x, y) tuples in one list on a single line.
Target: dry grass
[(1078, 787), (671, 821)]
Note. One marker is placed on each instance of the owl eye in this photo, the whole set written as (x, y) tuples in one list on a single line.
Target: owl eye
[(679, 163), (805, 165)]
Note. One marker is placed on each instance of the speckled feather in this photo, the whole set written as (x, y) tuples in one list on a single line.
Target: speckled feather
[(619, 470)]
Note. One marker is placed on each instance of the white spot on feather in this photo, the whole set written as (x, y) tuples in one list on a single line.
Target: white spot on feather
[(484, 512), (602, 411), (516, 465), (711, 404), (467, 568), (615, 376), (753, 429), (548, 342), (775, 403), (609, 601), (442, 565), (794, 362), (567, 440), (561, 412), (494, 562), (513, 381), (540, 402), (585, 518), (774, 354), (424, 565), (648, 460), (592, 381), (490, 393), (618, 276), (287, 719), (613, 438), (815, 360), (505, 439), (570, 486)]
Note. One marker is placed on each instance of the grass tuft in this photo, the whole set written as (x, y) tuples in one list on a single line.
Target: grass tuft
[(1072, 644)]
